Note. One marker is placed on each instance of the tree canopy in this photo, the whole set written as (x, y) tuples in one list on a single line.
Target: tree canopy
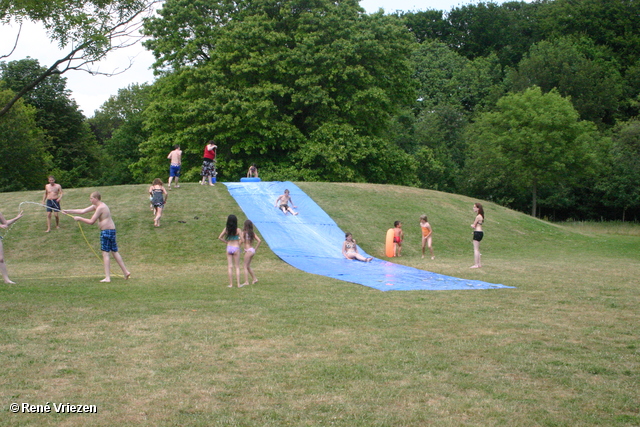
[(532, 141), (287, 80)]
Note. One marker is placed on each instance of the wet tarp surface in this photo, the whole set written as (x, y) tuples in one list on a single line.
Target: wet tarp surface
[(312, 242)]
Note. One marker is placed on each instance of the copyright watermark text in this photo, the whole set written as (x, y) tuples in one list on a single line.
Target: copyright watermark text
[(56, 408)]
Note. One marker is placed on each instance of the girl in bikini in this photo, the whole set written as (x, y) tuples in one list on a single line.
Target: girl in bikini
[(232, 236), (158, 195), (249, 237), (350, 249), (426, 235), (478, 234)]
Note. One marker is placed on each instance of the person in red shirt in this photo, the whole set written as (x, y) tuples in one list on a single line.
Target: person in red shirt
[(209, 164)]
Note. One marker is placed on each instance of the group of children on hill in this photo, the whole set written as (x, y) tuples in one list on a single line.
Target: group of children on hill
[(350, 248), (235, 238)]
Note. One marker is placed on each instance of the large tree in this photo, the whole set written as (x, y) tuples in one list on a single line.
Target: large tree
[(578, 69), (533, 142), (620, 182), (23, 160), (86, 30), (66, 137), (282, 84), (118, 126)]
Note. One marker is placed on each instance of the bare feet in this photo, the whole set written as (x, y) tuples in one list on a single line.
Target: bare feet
[(127, 275), (244, 284), (9, 282), (230, 286), (254, 282), (105, 280), (369, 259), (475, 266), (433, 257)]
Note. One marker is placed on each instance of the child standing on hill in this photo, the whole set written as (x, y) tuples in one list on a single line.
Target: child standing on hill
[(158, 199), (426, 235), (398, 236), (232, 236), (175, 157), (478, 234), (108, 243), (249, 237), (52, 196)]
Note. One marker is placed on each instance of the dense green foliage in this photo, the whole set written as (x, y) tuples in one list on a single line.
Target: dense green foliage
[(321, 91), (23, 159), (532, 142), (67, 138), (303, 88)]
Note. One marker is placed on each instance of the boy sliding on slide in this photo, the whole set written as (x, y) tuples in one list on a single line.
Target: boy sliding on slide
[(107, 234)]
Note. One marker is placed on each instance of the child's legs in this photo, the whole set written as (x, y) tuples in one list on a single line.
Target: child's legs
[(236, 261), (230, 268), (120, 261), (476, 252), (430, 244), (424, 244), (107, 265), (158, 213), (3, 266), (248, 256)]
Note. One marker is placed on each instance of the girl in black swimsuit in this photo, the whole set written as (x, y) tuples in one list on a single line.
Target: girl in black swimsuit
[(158, 199), (478, 234)]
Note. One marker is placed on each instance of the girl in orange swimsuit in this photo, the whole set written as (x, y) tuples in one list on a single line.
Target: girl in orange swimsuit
[(426, 235)]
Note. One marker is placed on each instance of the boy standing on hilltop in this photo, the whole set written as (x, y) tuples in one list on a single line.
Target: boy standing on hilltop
[(176, 162), (52, 196), (107, 233)]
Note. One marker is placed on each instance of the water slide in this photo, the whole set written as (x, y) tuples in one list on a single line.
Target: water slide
[(312, 242)]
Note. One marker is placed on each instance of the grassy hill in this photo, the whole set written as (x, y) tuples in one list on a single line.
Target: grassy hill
[(175, 346)]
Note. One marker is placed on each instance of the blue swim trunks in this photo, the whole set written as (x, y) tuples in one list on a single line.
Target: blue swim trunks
[(174, 170), (108, 241), (53, 205)]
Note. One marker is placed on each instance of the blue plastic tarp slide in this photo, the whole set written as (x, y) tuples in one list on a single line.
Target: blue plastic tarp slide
[(312, 242)]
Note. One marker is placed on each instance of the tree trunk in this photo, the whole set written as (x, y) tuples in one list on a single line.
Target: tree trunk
[(534, 201)]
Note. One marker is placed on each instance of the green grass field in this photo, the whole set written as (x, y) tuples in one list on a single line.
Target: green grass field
[(175, 346)]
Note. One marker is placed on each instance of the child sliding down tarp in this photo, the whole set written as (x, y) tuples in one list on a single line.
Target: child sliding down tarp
[(312, 242)]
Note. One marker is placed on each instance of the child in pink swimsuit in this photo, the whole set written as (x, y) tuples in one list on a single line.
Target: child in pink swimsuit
[(249, 237), (232, 236)]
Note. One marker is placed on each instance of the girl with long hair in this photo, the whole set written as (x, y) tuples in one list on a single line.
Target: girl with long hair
[(478, 234), (232, 236), (249, 237)]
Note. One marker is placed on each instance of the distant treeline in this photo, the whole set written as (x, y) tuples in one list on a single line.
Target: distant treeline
[(531, 105)]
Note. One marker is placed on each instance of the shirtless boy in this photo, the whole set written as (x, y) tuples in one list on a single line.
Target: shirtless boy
[(398, 236), (176, 162), (52, 196), (282, 203), (107, 233)]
